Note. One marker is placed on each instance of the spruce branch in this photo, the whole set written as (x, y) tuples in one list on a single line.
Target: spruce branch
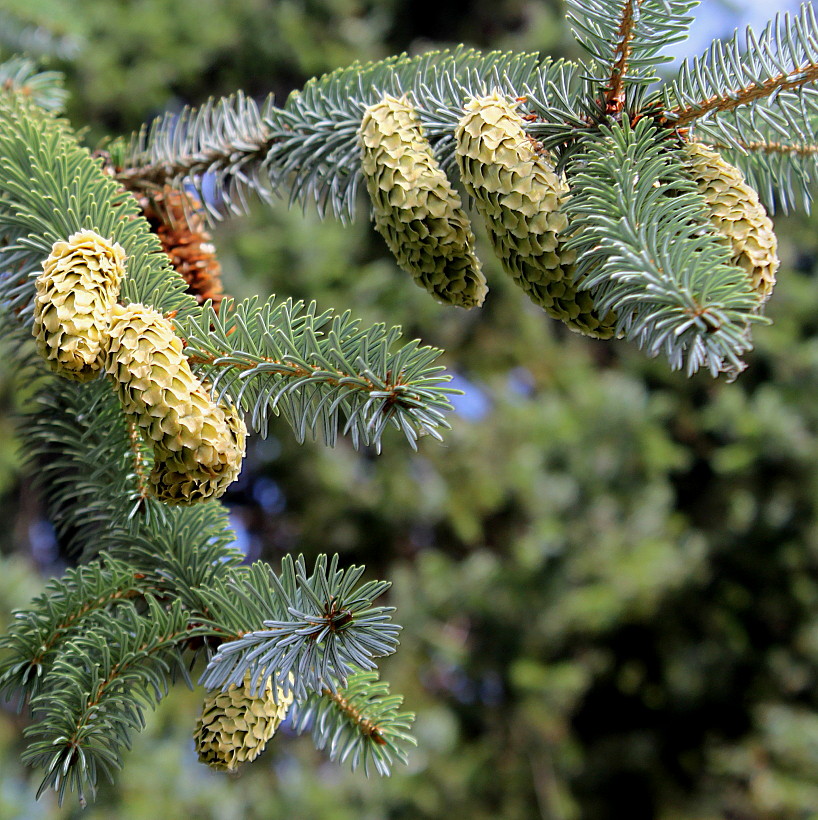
[(648, 252), (783, 58), (225, 141), (359, 722), (97, 691), (624, 39), (20, 75), (322, 372), (319, 627), (59, 614)]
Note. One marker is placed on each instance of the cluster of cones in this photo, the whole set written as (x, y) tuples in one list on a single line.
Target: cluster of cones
[(521, 199), (81, 330)]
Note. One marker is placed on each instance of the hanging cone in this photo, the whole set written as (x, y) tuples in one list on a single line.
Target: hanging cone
[(75, 293), (416, 209), (520, 197), (234, 726), (175, 218), (179, 478), (198, 444), (737, 214)]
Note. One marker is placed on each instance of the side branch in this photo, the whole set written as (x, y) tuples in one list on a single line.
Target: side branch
[(135, 441), (680, 117), (366, 727), (156, 175), (766, 147), (615, 96), (395, 392), (136, 658)]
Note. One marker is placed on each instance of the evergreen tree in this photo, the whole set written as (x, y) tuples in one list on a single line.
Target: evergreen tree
[(606, 201)]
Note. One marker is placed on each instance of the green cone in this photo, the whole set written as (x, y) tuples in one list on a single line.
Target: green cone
[(416, 209), (520, 197)]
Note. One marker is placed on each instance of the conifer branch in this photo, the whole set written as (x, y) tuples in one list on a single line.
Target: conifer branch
[(745, 95), (647, 251), (227, 140), (320, 371), (784, 58), (96, 693), (319, 627), (57, 616), (359, 722)]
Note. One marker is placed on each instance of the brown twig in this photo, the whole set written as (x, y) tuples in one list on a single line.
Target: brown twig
[(728, 101), (766, 147), (135, 439), (366, 726), (615, 95)]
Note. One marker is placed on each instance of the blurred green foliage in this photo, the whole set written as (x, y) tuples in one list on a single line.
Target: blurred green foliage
[(607, 574)]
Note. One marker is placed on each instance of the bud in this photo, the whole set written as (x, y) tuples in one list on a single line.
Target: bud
[(234, 726), (75, 293), (737, 214), (416, 209), (519, 195)]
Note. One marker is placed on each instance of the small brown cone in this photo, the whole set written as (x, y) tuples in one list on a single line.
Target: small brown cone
[(75, 293), (234, 726), (175, 218), (738, 215), (520, 197), (416, 209)]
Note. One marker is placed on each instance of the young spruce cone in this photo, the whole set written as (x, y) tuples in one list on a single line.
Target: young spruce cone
[(75, 293), (520, 197), (234, 726), (198, 444), (416, 209), (737, 215), (182, 478)]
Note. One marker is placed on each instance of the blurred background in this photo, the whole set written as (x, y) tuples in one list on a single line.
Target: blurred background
[(607, 574)]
